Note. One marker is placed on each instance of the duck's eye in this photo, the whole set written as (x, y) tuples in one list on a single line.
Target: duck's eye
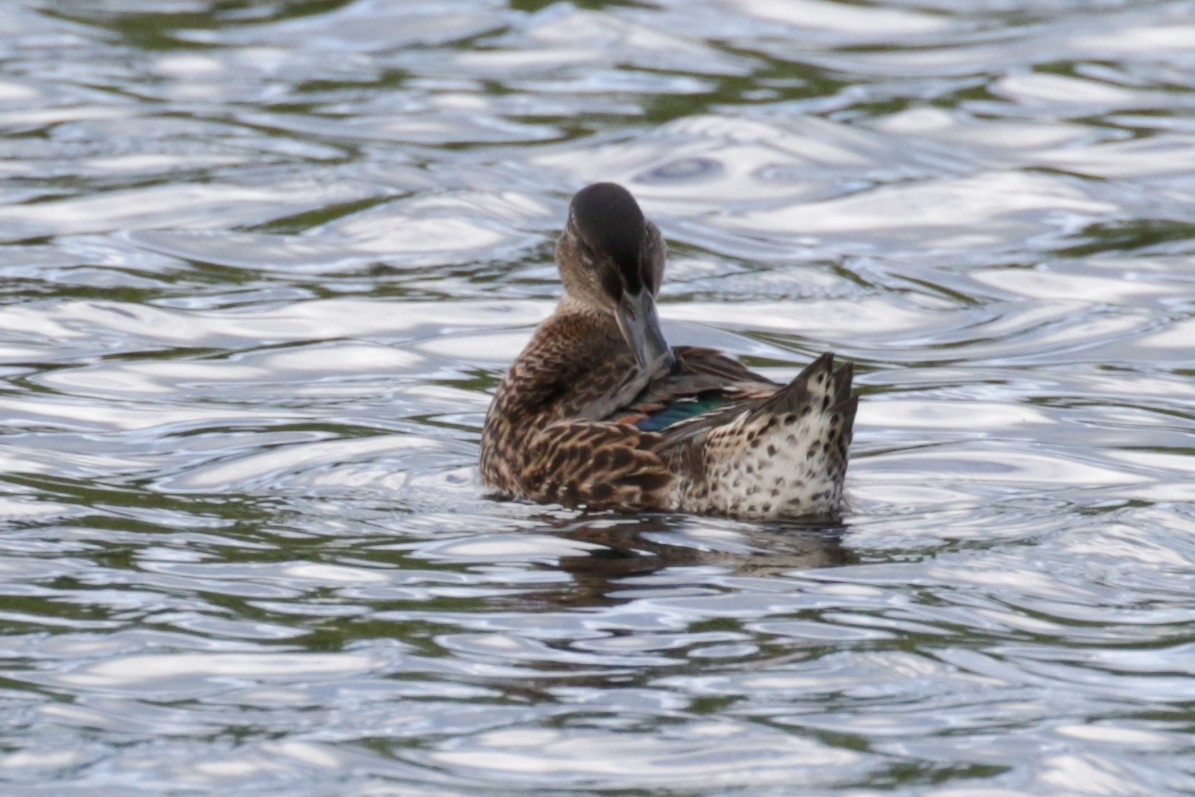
[(611, 283)]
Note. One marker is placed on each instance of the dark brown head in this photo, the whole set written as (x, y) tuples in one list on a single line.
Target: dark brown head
[(611, 259)]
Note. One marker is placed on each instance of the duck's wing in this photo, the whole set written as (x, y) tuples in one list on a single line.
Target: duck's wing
[(713, 364), (703, 382), (604, 451), (602, 388)]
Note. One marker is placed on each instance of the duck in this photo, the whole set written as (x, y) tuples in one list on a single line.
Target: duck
[(599, 412)]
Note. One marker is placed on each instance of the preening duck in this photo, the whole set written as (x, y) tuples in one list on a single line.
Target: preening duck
[(599, 411)]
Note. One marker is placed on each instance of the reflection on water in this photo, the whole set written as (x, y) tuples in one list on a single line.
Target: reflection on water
[(264, 263)]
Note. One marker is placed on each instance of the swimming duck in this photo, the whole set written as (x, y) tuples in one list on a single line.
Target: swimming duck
[(599, 411)]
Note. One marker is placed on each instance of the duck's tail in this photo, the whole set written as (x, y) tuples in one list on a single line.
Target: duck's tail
[(785, 455)]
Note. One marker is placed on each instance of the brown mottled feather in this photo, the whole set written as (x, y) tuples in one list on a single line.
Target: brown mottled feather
[(561, 425), (600, 465)]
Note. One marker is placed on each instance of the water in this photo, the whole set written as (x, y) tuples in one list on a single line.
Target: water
[(264, 261)]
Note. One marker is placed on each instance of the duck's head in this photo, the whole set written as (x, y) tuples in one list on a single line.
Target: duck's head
[(611, 260)]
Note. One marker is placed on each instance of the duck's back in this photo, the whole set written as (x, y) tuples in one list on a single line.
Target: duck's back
[(707, 436)]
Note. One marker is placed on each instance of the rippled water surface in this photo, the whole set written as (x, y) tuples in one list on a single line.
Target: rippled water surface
[(263, 263)]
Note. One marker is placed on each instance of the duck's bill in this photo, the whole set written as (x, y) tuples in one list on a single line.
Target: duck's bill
[(641, 329)]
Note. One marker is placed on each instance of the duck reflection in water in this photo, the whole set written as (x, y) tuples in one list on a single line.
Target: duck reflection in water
[(621, 551)]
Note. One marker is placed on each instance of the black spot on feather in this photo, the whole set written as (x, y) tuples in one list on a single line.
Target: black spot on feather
[(655, 480), (601, 493)]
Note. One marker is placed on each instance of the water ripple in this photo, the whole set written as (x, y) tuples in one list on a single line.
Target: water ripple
[(266, 261)]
